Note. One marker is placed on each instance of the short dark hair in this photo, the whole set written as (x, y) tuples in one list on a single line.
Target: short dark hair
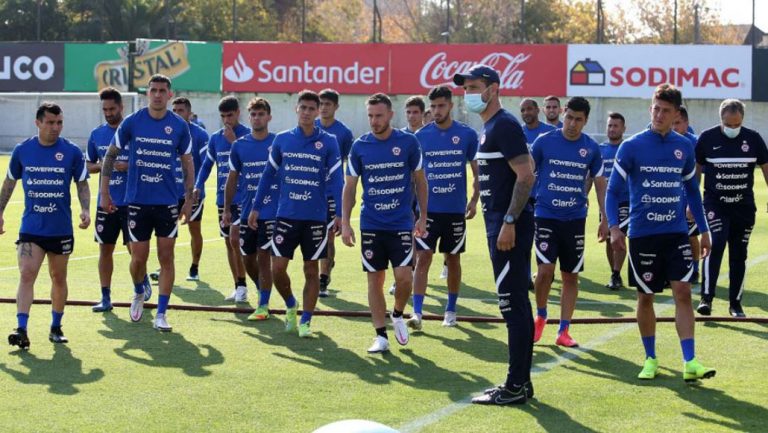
[(47, 107), (182, 100), (111, 94), (577, 103), (381, 98), (228, 104), (259, 104), (552, 98), (440, 92), (617, 116), (669, 93), (416, 101), (731, 106), (308, 95), (683, 113), (531, 100), (159, 78), (330, 95)]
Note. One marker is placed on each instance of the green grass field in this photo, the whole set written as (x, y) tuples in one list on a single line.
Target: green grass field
[(219, 372)]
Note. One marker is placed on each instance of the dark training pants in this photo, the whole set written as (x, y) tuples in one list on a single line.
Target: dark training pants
[(731, 227)]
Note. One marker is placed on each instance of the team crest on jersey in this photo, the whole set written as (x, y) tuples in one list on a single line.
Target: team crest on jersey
[(318, 145), (132, 224), (59, 156), (168, 130), (745, 146), (647, 277), (482, 139), (99, 228), (279, 239), (455, 139), (583, 152), (368, 254), (543, 246), (678, 154), (396, 151), (711, 215)]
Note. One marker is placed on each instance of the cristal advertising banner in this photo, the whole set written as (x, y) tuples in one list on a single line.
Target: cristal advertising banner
[(193, 66), (31, 67), (534, 70), (626, 71)]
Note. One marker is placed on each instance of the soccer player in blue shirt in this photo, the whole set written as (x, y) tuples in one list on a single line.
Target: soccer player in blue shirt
[(414, 114), (247, 161), (552, 111), (46, 164), (658, 167), (447, 145), (154, 137), (219, 147), (614, 131), (727, 155), (183, 107), (306, 163), (529, 112), (564, 159), (327, 121), (506, 178), (386, 160)]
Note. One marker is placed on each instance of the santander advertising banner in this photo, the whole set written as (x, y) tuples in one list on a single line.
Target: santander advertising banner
[(699, 71), (530, 70)]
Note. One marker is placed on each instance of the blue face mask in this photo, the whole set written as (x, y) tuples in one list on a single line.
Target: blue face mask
[(731, 132), (475, 102)]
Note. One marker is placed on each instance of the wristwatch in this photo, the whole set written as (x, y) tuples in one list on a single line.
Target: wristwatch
[(509, 219)]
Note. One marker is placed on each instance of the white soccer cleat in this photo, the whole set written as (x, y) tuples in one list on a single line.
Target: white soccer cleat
[(161, 324), (137, 307), (392, 289), (449, 320), (414, 322), (380, 345), (239, 295), (444, 273), (401, 330)]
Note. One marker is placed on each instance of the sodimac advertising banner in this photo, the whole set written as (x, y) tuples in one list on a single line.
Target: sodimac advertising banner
[(634, 71), (193, 66), (533, 70), (31, 67)]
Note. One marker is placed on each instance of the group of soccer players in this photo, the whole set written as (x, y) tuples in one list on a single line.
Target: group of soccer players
[(277, 192)]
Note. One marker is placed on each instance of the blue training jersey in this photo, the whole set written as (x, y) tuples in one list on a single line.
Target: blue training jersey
[(45, 173), (153, 146), (249, 157), (532, 134), (343, 136), (98, 143), (446, 153), (385, 167), (218, 153), (304, 167), (608, 153), (659, 173), (199, 147), (563, 166)]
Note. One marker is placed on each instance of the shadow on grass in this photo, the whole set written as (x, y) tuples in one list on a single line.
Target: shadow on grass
[(761, 334), (149, 347), (708, 405), (552, 419), (203, 294), (61, 373)]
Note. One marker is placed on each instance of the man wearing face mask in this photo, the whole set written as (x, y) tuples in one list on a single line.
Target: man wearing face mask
[(727, 155), (506, 179)]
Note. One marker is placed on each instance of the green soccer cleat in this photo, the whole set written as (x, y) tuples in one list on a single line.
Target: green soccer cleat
[(694, 371), (650, 369), (304, 331), (261, 313), (290, 318)]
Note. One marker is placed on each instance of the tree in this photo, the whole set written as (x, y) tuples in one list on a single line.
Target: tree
[(19, 18)]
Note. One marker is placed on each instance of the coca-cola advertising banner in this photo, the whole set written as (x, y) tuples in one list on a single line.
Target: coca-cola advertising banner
[(700, 71), (530, 70)]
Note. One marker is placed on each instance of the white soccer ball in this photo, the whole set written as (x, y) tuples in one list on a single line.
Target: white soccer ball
[(355, 426)]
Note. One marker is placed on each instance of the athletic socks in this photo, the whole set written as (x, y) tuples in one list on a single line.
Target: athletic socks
[(56, 318), (418, 303), (452, 298), (306, 317), (138, 288), (396, 313), (22, 319), (193, 270), (162, 303), (382, 332), (105, 293), (615, 274), (264, 297), (323, 280), (241, 282), (290, 302), (564, 324), (541, 312), (689, 351), (649, 343)]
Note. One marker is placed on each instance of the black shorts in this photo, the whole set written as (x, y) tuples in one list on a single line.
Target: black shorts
[(235, 218), (197, 210), (623, 216), (449, 228), (656, 259), (380, 247), (331, 212), (143, 219), (261, 239), (110, 225), (563, 240), (312, 236), (61, 245)]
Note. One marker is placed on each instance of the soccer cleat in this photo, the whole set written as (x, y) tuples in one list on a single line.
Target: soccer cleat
[(528, 389), (650, 369), (444, 273), (538, 328), (19, 338), (392, 289), (147, 291), (563, 339), (155, 276), (502, 396), (161, 324), (694, 371), (137, 307), (735, 310), (304, 330), (290, 318), (325, 281), (102, 307), (239, 295), (414, 322), (56, 336), (261, 313), (449, 320), (193, 276), (380, 345), (401, 330), (705, 307)]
